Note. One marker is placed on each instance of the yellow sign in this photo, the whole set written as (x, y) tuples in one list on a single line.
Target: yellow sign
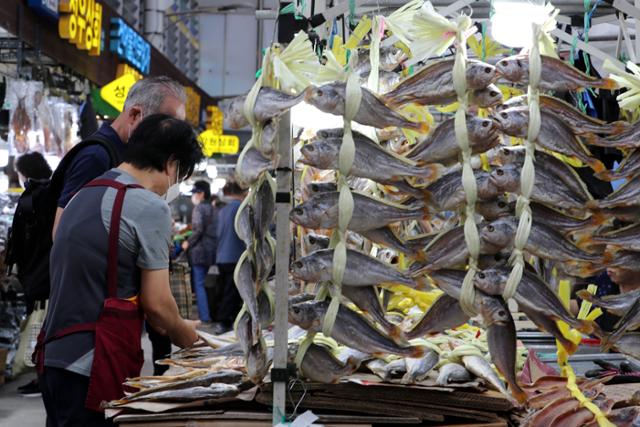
[(81, 23), (115, 93), (215, 119), (127, 69), (192, 107), (224, 144)]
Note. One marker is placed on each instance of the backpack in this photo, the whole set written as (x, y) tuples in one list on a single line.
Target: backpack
[(29, 241)]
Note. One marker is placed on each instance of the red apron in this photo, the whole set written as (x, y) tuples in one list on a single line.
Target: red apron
[(117, 353)]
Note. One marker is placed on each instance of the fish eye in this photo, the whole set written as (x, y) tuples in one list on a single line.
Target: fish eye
[(485, 124), (314, 188), (319, 92), (519, 63), (502, 313), (296, 309), (506, 152), (481, 275), (298, 211), (323, 134), (312, 240), (491, 228), (502, 204), (504, 115), (499, 172), (297, 264), (310, 147), (488, 70), (493, 93)]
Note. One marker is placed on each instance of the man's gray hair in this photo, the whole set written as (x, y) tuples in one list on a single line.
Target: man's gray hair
[(149, 93)]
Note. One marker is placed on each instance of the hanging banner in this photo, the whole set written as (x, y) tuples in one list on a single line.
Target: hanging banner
[(222, 144), (81, 23), (129, 45), (215, 120), (115, 93)]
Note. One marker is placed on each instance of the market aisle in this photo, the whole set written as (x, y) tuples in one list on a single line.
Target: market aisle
[(16, 410)]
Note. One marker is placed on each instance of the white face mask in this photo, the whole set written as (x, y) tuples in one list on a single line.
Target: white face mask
[(174, 190)]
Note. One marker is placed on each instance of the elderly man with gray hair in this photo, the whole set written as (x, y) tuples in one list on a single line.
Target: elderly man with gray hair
[(148, 96)]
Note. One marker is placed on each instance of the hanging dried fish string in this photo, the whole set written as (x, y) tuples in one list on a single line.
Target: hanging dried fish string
[(469, 184), (527, 176)]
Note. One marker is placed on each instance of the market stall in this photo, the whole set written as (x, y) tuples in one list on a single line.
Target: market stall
[(432, 193)]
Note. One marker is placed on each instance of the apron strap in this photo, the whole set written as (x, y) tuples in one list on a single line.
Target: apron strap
[(114, 230), (80, 327)]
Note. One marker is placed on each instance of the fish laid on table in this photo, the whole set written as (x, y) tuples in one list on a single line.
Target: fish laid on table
[(393, 369), (582, 416), (366, 299), (447, 193), (557, 407), (433, 85), (226, 376), (251, 165), (556, 75), (320, 365), (445, 313), (543, 242), (453, 373), (270, 103), (622, 417), (628, 322), (554, 134), (548, 189), (418, 369), (442, 146), (501, 336), (213, 391), (629, 344), (371, 161), (535, 298), (330, 98), (320, 211), (479, 367), (360, 270), (629, 168), (579, 122), (617, 305), (349, 329)]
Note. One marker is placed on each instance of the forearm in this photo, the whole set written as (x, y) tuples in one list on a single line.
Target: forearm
[(170, 321)]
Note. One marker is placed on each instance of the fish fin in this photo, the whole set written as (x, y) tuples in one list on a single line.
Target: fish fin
[(353, 363), (607, 258), (597, 165), (585, 295), (585, 242), (599, 218), (592, 204), (518, 393), (432, 171), (397, 334), (419, 256), (591, 139), (424, 128), (418, 352), (391, 101), (604, 176), (606, 83), (586, 326), (619, 127)]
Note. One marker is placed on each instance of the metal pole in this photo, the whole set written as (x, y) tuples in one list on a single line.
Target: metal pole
[(283, 247)]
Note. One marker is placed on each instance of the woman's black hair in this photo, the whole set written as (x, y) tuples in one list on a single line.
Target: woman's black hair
[(33, 166), (160, 138), (203, 187)]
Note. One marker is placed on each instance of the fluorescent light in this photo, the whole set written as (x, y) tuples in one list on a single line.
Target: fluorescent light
[(212, 171), (53, 161), (511, 23), (217, 184), (4, 157)]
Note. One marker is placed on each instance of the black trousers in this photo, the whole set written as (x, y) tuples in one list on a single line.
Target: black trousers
[(64, 393), (160, 349), (230, 303)]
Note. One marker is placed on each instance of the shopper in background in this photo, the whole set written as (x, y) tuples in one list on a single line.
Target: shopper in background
[(148, 96), (201, 245), (230, 247), (32, 167), (91, 339)]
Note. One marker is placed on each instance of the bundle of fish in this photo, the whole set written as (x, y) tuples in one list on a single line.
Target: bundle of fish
[(421, 226)]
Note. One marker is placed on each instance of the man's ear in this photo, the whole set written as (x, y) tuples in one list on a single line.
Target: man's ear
[(134, 113)]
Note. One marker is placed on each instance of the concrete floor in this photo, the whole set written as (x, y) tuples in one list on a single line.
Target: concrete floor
[(16, 410)]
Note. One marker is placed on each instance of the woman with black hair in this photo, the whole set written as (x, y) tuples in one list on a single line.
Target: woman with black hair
[(110, 271), (201, 246)]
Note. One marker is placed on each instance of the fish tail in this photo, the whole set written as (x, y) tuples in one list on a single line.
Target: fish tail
[(396, 333), (592, 139), (585, 326), (432, 171), (392, 101), (585, 242), (424, 128), (605, 83), (585, 295), (604, 176), (353, 363), (619, 127), (607, 258), (592, 204)]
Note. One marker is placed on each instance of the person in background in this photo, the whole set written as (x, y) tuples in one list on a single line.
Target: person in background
[(113, 239), (230, 247), (32, 169), (201, 245)]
